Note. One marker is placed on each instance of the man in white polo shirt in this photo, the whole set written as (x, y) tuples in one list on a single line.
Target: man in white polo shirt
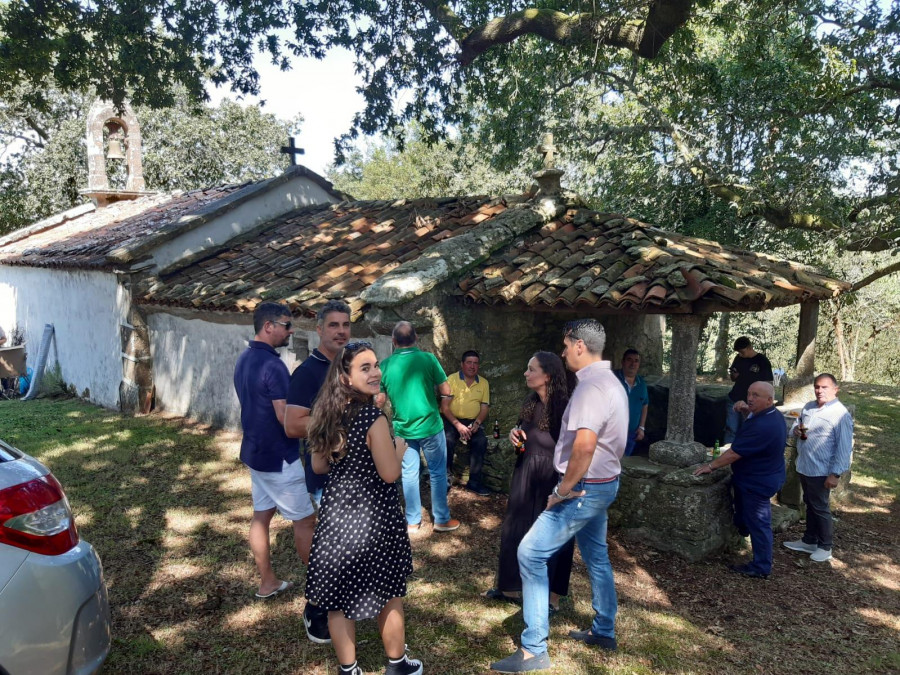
[(824, 434), (591, 443)]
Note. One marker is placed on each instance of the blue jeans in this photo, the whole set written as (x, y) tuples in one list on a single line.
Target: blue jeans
[(629, 444), (585, 519), (753, 516), (733, 421), (435, 450)]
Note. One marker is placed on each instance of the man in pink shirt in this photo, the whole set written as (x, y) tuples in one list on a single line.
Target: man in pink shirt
[(591, 443)]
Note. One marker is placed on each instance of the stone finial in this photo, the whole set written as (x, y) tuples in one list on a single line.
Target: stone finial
[(548, 178), (548, 150), (124, 124)]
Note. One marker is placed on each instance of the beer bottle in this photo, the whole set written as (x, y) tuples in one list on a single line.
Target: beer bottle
[(496, 429), (716, 449), (519, 444)]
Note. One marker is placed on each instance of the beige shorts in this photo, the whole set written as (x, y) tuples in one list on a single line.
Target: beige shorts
[(284, 490)]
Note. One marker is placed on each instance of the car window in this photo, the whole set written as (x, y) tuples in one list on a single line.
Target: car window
[(8, 453)]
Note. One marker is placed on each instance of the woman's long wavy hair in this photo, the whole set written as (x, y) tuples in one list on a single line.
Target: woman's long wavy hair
[(335, 408), (557, 395)]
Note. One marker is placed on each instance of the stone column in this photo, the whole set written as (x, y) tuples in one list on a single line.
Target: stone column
[(798, 387), (136, 387), (679, 447), (661, 502)]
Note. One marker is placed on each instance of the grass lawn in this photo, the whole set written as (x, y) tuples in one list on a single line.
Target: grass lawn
[(167, 505)]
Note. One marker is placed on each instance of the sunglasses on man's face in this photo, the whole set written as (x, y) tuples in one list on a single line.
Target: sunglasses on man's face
[(286, 324)]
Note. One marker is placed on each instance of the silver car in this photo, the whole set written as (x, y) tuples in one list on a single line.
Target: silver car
[(54, 612)]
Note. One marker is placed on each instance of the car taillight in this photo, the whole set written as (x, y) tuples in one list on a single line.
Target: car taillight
[(36, 516)]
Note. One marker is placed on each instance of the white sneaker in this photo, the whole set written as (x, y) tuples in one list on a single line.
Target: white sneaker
[(800, 545), (820, 555)]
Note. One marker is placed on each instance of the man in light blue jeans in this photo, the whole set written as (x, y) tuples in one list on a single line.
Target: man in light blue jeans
[(413, 380), (435, 450), (592, 440)]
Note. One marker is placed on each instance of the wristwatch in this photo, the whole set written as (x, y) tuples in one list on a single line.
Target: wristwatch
[(559, 496)]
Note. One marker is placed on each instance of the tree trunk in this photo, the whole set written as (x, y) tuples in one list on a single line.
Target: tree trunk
[(840, 341), (722, 349)]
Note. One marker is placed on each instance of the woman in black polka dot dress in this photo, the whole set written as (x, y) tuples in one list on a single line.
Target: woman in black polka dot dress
[(360, 555)]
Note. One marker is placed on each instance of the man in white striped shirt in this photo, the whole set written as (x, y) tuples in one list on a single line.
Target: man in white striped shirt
[(824, 450)]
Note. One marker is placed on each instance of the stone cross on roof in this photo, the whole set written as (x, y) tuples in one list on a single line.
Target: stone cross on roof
[(548, 150), (549, 177)]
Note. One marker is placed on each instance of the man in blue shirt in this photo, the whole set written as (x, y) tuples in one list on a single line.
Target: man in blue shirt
[(261, 381), (638, 399), (333, 328), (824, 434), (757, 459)]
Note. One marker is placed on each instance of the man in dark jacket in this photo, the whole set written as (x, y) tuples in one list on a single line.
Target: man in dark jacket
[(757, 459)]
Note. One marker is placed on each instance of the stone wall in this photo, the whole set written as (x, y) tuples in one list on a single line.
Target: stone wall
[(672, 510), (506, 338)]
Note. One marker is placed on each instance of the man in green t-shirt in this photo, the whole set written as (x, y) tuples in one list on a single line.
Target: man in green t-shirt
[(412, 380)]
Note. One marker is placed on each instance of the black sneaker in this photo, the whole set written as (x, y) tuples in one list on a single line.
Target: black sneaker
[(405, 666), (748, 571), (316, 622), (355, 670)]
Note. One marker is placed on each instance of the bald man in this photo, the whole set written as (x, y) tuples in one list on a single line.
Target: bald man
[(757, 459)]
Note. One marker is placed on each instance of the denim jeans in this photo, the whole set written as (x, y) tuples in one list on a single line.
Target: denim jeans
[(585, 519), (819, 522), (733, 421), (753, 516), (630, 443), (435, 450)]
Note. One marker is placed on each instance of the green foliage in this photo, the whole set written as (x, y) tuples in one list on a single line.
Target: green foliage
[(750, 113), (444, 169)]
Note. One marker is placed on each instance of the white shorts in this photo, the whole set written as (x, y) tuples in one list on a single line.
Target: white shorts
[(284, 490)]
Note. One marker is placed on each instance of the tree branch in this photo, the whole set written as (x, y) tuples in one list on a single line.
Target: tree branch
[(37, 128), (447, 18), (643, 37), (875, 276)]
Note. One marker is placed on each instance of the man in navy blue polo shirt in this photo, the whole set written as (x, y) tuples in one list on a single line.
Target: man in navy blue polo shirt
[(333, 327), (261, 380), (757, 459)]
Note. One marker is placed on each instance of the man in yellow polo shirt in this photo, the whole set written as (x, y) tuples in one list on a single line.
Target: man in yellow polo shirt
[(464, 414)]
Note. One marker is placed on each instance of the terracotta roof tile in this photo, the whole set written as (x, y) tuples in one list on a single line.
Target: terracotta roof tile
[(582, 259), (623, 264)]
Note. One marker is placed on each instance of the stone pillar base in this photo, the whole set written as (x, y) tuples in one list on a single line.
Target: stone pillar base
[(676, 453), (670, 509)]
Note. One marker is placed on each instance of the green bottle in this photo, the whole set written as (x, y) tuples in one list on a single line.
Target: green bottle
[(716, 450)]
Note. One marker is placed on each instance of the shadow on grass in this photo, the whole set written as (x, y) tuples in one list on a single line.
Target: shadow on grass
[(168, 509)]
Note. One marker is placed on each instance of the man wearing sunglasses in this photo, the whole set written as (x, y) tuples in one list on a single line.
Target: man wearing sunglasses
[(261, 381)]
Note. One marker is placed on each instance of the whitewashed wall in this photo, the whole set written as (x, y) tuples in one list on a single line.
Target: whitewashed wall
[(86, 309), (193, 364)]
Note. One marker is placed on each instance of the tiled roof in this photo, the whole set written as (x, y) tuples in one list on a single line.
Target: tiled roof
[(85, 240), (607, 261), (317, 253)]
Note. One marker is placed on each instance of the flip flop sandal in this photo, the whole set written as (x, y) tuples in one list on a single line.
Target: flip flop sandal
[(285, 586)]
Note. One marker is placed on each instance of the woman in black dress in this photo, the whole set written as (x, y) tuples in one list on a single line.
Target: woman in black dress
[(360, 556), (534, 478)]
